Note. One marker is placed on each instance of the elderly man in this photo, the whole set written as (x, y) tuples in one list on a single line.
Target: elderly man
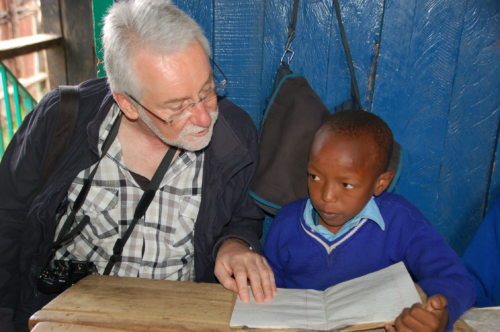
[(153, 182)]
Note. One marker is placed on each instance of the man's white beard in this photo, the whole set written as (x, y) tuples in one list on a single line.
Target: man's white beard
[(184, 140)]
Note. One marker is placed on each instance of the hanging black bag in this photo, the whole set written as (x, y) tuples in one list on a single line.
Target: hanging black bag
[(292, 116)]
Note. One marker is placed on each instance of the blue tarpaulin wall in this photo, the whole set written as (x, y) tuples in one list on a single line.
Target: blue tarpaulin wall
[(435, 78)]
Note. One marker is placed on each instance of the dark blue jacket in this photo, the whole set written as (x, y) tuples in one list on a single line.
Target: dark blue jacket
[(28, 207)]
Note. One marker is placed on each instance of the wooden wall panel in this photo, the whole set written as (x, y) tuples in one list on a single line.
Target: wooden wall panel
[(312, 43), (76, 61), (472, 131), (276, 20), (80, 47), (203, 12), (56, 58), (362, 21), (418, 108), (437, 84), (238, 31), (494, 178)]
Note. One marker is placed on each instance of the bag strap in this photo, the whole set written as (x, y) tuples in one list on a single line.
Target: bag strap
[(141, 208), (293, 21), (354, 83), (68, 111), (288, 52)]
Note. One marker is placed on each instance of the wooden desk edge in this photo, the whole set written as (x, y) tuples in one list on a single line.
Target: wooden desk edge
[(63, 327)]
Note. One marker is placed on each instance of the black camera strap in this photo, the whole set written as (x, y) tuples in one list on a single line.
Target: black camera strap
[(64, 236), (141, 208)]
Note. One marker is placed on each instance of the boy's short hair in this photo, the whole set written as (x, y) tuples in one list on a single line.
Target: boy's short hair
[(353, 123)]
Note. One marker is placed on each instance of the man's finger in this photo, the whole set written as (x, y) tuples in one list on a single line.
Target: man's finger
[(256, 274), (258, 292), (267, 279), (241, 279), (225, 277)]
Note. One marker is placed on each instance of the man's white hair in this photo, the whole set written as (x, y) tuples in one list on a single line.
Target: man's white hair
[(157, 25)]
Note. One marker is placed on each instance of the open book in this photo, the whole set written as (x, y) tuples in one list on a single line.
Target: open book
[(377, 297)]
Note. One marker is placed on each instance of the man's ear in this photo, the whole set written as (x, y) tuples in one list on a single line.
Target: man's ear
[(126, 106), (383, 182)]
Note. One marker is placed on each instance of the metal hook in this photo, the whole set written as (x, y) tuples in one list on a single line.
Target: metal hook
[(288, 53)]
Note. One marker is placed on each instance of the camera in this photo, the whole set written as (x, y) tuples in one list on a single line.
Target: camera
[(60, 274)]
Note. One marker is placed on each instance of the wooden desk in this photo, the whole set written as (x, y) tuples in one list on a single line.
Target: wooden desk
[(107, 304), (135, 304)]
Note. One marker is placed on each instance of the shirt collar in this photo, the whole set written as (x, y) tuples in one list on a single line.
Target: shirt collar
[(370, 211)]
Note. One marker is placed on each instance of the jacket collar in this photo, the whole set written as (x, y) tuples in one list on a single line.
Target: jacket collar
[(226, 151), (94, 125)]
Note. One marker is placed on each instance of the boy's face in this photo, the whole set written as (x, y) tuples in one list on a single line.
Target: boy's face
[(343, 174)]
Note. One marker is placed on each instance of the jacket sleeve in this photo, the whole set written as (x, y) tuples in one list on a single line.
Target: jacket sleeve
[(20, 178), (246, 218)]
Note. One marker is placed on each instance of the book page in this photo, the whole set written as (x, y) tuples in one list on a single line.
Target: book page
[(297, 308), (376, 297)]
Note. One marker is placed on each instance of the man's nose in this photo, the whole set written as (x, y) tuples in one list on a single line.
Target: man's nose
[(200, 115)]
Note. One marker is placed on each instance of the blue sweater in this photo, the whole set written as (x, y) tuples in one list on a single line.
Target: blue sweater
[(300, 261), (482, 258)]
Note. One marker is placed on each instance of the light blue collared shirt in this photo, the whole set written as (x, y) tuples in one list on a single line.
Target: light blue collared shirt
[(370, 212)]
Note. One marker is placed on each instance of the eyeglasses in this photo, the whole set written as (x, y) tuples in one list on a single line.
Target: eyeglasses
[(207, 96)]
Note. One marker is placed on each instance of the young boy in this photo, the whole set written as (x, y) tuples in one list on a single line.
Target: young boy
[(349, 227)]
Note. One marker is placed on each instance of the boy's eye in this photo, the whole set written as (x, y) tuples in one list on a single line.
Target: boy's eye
[(313, 177), (348, 185)]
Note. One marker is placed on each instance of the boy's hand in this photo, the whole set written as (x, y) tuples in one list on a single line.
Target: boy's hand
[(429, 316)]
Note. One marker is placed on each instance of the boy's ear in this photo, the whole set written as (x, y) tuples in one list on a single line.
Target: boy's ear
[(126, 106), (383, 181)]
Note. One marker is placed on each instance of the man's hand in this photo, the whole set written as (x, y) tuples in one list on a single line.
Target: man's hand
[(430, 316), (236, 265)]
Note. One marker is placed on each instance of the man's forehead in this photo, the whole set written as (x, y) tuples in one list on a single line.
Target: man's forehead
[(173, 76)]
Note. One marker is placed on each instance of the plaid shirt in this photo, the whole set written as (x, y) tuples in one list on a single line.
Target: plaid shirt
[(161, 244)]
